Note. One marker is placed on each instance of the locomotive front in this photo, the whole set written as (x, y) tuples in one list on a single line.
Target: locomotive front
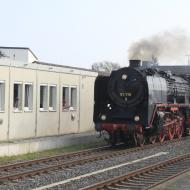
[(137, 103), (121, 102)]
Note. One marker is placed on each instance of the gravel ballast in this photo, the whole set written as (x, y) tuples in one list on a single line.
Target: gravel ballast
[(174, 149)]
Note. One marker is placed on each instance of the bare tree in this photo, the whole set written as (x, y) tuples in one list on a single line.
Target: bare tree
[(105, 66), (154, 60)]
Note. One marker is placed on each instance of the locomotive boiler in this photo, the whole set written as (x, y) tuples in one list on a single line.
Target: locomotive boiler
[(138, 104)]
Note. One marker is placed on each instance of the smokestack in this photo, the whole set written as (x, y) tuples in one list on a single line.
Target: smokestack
[(134, 63)]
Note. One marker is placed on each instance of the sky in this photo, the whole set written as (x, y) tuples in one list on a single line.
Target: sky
[(82, 32)]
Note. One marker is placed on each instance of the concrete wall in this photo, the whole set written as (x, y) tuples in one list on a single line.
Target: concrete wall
[(31, 57), (4, 116), (46, 143), (25, 124), (86, 103), (70, 117), (47, 121), (19, 54), (22, 123)]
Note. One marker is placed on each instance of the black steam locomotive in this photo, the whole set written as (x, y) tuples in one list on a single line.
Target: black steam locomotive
[(136, 104)]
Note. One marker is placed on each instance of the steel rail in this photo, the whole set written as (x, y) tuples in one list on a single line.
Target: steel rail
[(52, 158), (147, 177), (67, 164)]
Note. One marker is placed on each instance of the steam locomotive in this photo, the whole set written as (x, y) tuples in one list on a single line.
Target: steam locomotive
[(138, 104)]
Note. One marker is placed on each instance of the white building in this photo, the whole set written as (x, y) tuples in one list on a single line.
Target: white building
[(19, 54), (40, 99)]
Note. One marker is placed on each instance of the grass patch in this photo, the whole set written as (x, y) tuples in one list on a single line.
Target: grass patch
[(52, 152)]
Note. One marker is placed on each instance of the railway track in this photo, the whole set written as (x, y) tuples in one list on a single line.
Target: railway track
[(11, 168), (148, 177), (65, 161)]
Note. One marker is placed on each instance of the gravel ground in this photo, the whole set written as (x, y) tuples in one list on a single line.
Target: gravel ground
[(50, 163), (54, 162), (174, 149), (180, 182)]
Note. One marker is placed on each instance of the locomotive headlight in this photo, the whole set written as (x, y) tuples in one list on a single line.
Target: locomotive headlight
[(109, 106), (136, 118), (103, 117), (124, 77)]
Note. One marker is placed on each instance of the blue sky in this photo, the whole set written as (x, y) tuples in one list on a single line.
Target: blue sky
[(81, 32)]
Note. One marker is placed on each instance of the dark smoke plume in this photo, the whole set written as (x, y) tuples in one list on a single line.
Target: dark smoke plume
[(167, 46)]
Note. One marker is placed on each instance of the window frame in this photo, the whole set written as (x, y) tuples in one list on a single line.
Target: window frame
[(54, 109), (3, 110), (73, 108), (17, 110), (46, 108), (27, 109), (65, 109)]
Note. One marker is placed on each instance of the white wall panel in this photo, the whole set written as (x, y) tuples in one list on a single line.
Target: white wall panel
[(47, 121), (86, 103), (22, 123), (4, 76), (69, 119), (28, 124)]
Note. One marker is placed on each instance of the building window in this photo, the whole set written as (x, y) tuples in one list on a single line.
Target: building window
[(2, 96), (73, 98), (17, 101), (43, 97), (65, 98), (52, 98), (28, 97)]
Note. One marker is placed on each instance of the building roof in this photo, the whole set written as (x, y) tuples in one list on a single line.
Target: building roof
[(178, 69), (64, 66), (26, 48)]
